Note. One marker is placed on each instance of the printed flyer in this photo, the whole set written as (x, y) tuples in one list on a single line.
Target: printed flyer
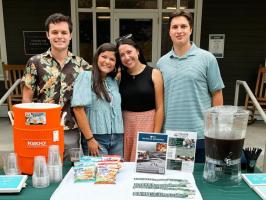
[(151, 153), (181, 150), (171, 186), (12, 183)]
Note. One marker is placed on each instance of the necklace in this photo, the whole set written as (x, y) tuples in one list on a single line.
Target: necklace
[(137, 72)]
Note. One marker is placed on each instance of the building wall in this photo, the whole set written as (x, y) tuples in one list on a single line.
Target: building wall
[(242, 21), (27, 15), (244, 25)]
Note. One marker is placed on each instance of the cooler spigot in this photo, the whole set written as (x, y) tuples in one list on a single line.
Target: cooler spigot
[(228, 160)]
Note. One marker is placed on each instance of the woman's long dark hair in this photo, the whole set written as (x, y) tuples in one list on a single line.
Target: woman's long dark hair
[(130, 42), (98, 83)]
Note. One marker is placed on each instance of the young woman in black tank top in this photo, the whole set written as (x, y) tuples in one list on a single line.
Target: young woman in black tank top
[(141, 90)]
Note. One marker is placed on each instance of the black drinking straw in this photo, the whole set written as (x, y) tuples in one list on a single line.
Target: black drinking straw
[(251, 155)]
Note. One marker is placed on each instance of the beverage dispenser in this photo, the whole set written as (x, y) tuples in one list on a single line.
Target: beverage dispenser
[(35, 127), (225, 130)]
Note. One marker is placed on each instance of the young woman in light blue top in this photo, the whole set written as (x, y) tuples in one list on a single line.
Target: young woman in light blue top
[(96, 104)]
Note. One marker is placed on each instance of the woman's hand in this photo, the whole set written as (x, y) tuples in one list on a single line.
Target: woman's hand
[(93, 147), (84, 125)]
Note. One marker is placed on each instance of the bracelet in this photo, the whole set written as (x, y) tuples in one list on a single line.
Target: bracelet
[(89, 139)]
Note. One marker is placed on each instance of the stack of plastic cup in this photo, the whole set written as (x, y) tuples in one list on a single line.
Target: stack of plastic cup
[(54, 164), (40, 177), (11, 164)]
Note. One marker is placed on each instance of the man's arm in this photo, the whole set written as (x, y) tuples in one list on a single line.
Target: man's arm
[(27, 95), (217, 98)]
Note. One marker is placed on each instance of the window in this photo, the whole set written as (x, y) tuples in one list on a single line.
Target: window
[(85, 36), (103, 28), (85, 3), (136, 4)]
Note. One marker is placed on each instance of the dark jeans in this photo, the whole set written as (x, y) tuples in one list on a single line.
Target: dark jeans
[(200, 151), (111, 144)]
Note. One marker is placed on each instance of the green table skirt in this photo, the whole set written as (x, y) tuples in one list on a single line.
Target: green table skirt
[(212, 192), (31, 193), (208, 191)]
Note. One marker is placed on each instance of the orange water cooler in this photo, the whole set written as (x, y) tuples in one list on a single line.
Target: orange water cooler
[(35, 127)]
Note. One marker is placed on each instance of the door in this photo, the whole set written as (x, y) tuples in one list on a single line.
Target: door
[(144, 27)]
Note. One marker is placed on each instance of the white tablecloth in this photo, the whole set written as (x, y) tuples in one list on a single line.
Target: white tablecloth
[(68, 190), (85, 191)]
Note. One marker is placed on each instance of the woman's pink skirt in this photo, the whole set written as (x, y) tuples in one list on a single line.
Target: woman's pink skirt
[(135, 122)]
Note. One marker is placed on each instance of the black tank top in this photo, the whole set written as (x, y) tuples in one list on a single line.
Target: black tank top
[(137, 91)]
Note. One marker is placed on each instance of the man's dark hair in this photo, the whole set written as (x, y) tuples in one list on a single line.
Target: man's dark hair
[(181, 13), (57, 18)]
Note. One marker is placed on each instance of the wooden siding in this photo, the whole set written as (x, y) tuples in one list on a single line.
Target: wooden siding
[(27, 15), (244, 25)]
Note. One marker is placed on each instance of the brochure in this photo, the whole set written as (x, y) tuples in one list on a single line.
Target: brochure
[(181, 150), (255, 179), (261, 191), (151, 153), (12, 183), (171, 186)]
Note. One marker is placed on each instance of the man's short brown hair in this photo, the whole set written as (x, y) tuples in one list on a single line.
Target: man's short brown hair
[(56, 18), (181, 13)]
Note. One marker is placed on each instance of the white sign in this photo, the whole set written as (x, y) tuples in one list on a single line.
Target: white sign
[(216, 45), (181, 148)]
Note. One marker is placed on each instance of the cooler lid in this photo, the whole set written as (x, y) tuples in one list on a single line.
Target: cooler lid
[(37, 105)]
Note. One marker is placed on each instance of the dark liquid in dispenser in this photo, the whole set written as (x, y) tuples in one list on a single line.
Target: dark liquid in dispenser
[(219, 149)]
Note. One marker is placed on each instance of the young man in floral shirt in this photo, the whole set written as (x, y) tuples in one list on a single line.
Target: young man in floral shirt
[(50, 76)]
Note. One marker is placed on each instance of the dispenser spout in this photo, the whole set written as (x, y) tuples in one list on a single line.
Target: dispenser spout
[(228, 160)]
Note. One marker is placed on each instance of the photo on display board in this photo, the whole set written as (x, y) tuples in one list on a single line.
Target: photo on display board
[(181, 150), (151, 153)]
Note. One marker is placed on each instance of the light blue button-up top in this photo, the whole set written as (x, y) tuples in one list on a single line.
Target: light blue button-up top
[(104, 117)]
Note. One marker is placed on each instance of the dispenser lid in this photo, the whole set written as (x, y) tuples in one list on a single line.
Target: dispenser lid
[(226, 122), (227, 110)]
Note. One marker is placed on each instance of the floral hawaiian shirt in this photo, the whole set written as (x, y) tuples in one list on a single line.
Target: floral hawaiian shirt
[(53, 84)]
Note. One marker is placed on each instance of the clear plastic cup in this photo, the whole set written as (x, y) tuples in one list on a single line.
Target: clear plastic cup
[(54, 155), (40, 177), (11, 164), (54, 164), (55, 173), (75, 154)]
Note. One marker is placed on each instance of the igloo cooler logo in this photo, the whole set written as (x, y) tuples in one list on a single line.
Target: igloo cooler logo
[(36, 144)]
